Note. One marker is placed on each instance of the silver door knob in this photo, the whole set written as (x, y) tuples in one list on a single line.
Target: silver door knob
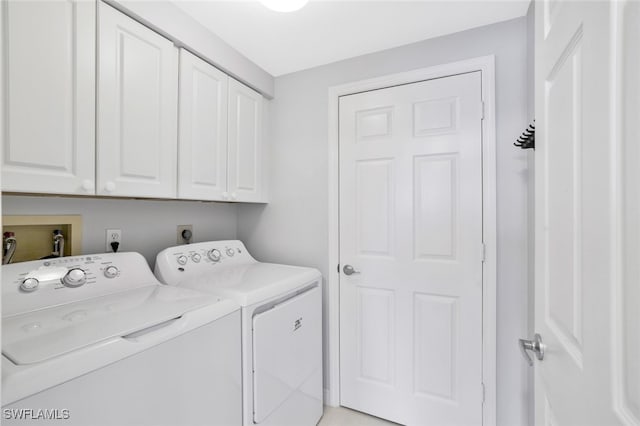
[(536, 346), (349, 270)]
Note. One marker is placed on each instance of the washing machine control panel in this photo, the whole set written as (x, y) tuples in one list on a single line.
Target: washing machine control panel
[(47, 282), (191, 259)]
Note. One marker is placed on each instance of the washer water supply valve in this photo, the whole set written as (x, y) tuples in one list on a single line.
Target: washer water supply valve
[(9, 246)]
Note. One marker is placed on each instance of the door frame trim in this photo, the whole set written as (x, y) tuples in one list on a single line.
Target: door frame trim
[(486, 66)]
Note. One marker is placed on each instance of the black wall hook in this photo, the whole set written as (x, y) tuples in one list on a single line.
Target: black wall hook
[(528, 138)]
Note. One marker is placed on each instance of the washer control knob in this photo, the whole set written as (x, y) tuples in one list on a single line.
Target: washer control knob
[(29, 284), (214, 255), (196, 257), (74, 278), (182, 260), (111, 271), (230, 252)]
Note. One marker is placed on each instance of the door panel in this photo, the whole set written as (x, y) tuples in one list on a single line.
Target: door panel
[(202, 147), (434, 200), (586, 180), (435, 325), (563, 118), (137, 111), (376, 333), (411, 224), (374, 210), (50, 128)]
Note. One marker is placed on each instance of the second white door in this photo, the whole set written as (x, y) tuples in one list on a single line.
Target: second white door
[(411, 228)]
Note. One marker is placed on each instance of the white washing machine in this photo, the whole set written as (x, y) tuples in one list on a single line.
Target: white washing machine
[(281, 325), (97, 340)]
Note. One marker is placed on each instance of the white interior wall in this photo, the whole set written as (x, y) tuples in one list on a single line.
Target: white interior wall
[(293, 227), (148, 226)]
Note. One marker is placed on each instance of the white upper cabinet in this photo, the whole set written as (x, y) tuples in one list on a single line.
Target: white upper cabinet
[(137, 109), (55, 84), (49, 96), (202, 146), (245, 143)]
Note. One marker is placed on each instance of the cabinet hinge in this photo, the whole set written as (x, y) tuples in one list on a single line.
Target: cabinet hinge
[(338, 268), (481, 110), (484, 391), (483, 252)]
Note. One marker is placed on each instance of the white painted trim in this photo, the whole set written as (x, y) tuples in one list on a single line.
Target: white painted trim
[(3, 83), (617, 117), (486, 65)]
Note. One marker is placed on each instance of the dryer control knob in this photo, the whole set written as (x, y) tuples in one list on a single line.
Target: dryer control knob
[(214, 255), (182, 260), (29, 285), (74, 278), (230, 252), (111, 271)]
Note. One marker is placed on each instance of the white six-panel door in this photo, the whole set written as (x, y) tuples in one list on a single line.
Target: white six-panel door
[(587, 210), (137, 109), (49, 96), (245, 143), (202, 143), (411, 224)]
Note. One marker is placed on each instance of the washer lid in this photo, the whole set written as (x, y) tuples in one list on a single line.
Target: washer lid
[(252, 283), (47, 333)]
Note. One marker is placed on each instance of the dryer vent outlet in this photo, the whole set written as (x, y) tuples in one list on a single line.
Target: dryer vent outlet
[(185, 234)]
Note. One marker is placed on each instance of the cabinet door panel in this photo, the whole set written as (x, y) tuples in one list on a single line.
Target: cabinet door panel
[(202, 145), (137, 110), (49, 103), (245, 143)]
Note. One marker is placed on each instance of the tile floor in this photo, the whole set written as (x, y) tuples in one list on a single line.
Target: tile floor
[(340, 416)]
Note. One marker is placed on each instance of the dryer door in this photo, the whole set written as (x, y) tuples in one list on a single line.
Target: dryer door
[(287, 355)]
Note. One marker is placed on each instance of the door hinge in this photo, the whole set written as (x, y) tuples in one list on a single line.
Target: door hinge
[(338, 268), (483, 252), (484, 391), (481, 110)]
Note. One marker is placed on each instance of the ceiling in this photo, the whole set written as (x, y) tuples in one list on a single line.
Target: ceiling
[(326, 31)]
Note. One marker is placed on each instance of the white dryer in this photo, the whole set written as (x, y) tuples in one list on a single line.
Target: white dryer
[(97, 340), (281, 325)]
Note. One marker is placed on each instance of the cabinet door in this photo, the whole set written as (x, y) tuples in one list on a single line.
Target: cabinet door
[(137, 109), (49, 96), (202, 142), (245, 143)]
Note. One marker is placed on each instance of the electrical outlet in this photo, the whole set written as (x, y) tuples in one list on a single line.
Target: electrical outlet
[(185, 231), (113, 236)]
